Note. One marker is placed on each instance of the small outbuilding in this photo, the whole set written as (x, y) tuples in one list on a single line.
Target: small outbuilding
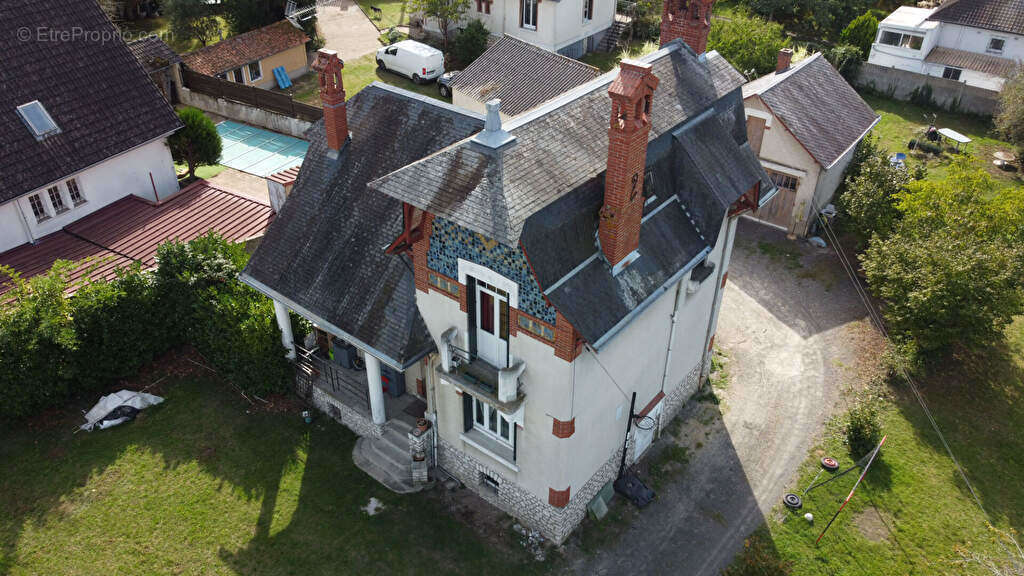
[(250, 58)]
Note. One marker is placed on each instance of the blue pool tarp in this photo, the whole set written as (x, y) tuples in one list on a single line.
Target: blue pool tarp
[(257, 151)]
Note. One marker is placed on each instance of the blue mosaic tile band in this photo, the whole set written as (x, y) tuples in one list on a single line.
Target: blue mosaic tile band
[(449, 242)]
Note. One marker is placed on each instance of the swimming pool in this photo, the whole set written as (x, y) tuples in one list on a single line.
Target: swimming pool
[(257, 151)]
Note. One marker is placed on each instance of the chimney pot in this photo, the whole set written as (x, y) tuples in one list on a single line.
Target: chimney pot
[(493, 135), (332, 95), (785, 59), (689, 20)]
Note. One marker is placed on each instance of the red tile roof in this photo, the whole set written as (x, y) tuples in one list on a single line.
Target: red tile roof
[(245, 48), (131, 229)]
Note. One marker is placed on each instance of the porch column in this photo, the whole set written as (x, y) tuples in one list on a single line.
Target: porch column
[(285, 324), (376, 388)]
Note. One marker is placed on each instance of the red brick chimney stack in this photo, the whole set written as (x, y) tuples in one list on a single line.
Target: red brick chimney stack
[(619, 230), (689, 20), (332, 95), (785, 59)]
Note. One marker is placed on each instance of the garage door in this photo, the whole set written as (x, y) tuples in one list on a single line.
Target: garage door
[(779, 210)]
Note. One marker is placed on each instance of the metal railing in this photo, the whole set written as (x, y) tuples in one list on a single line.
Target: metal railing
[(322, 372)]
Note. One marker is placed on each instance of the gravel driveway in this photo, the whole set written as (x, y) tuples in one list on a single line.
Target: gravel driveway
[(346, 29), (795, 337)]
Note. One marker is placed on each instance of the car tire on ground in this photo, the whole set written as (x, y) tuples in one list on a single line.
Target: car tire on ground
[(381, 65), (416, 79), (444, 90)]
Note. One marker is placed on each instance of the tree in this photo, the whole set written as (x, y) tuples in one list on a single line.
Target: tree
[(846, 58), (1010, 118), (470, 43), (950, 273), (198, 143), (748, 42), (870, 199), (246, 15), (444, 12), (193, 19), (861, 33)]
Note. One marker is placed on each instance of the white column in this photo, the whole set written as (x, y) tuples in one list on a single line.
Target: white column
[(285, 325), (376, 389)]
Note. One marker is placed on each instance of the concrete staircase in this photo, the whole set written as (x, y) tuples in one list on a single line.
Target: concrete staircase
[(387, 459), (610, 41)]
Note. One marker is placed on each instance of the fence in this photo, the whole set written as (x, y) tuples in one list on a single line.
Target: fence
[(257, 97)]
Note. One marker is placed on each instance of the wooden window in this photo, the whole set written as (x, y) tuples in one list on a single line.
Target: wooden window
[(74, 192), (37, 208), (56, 200), (493, 423), (536, 328), (528, 12), (951, 73), (237, 75), (784, 181)]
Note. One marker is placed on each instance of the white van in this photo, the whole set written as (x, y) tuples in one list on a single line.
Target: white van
[(412, 59)]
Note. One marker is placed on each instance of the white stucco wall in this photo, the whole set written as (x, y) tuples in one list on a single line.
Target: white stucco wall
[(111, 180), (12, 229), (977, 40)]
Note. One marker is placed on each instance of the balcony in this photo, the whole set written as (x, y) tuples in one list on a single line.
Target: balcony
[(498, 387)]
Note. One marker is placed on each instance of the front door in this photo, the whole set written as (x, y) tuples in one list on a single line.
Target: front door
[(492, 324)]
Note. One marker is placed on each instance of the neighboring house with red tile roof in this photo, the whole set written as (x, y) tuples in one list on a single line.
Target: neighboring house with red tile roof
[(804, 122), (979, 43), (81, 124), (250, 58), (129, 231)]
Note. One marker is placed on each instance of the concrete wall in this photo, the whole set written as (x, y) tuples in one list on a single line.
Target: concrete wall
[(111, 180), (244, 113), (900, 84)]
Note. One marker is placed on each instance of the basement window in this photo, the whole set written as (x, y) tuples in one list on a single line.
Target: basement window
[(38, 120), (489, 482), (950, 73)]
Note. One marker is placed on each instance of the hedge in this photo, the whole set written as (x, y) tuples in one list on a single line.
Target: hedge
[(53, 348)]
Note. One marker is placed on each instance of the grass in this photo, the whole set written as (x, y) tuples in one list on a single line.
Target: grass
[(161, 26), (393, 13), (206, 484), (913, 514), (605, 61), (203, 172), (359, 73), (902, 121)]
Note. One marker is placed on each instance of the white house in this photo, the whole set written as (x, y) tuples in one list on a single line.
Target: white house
[(977, 42), (80, 130)]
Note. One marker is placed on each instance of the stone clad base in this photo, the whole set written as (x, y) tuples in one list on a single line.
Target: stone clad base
[(675, 399), (353, 420)]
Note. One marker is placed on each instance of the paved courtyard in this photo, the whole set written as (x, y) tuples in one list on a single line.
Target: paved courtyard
[(795, 337), (346, 29)]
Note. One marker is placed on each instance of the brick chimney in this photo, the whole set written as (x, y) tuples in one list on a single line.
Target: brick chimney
[(689, 20), (785, 59), (332, 95), (619, 230)]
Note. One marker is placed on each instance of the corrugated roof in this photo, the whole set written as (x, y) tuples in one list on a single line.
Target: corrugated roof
[(985, 63), (521, 75), (817, 105), (998, 15), (249, 47), (92, 86), (153, 53), (130, 229)]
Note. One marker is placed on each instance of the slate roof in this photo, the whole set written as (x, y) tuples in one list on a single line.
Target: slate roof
[(558, 147), (818, 107), (998, 15), (244, 48), (986, 63), (130, 229), (92, 86), (324, 256), (153, 53), (521, 74)]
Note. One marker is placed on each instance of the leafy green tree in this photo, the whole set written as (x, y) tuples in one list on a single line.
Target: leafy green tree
[(443, 12), (192, 19), (748, 42), (1010, 118), (197, 143), (846, 58), (246, 15), (861, 33), (870, 199), (470, 43), (950, 273)]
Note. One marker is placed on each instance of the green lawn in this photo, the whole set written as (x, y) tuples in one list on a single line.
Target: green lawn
[(206, 484), (605, 61), (202, 171), (358, 74), (161, 26), (393, 12), (913, 513), (902, 121)]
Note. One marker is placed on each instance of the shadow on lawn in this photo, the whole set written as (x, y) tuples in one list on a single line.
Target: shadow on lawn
[(979, 406)]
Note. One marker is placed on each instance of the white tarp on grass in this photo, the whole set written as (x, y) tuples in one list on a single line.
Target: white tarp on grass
[(118, 408)]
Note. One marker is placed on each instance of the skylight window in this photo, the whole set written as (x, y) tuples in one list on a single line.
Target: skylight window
[(38, 119)]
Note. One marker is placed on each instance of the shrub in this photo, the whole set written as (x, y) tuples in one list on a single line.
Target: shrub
[(863, 431), (470, 43), (870, 198), (748, 42), (1009, 119), (847, 59), (198, 143), (861, 32)]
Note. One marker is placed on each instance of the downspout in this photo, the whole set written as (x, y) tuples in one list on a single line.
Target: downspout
[(672, 334), (433, 402)]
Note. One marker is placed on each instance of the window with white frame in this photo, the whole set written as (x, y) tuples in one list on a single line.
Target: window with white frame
[(588, 10), (911, 41), (529, 14), (56, 200), (37, 208), (951, 73), (996, 45), (74, 192), (255, 71), (237, 75), (490, 421)]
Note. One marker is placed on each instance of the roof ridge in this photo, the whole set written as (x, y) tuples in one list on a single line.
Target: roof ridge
[(424, 99), (789, 72)]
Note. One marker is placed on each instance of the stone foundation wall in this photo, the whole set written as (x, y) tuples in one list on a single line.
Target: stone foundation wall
[(675, 399), (345, 415)]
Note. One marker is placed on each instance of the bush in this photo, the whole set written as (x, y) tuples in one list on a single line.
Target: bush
[(1009, 119), (863, 431), (470, 43), (869, 201), (847, 59), (748, 42), (197, 143), (861, 33)]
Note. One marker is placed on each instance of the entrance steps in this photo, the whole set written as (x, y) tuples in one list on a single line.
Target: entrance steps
[(386, 459)]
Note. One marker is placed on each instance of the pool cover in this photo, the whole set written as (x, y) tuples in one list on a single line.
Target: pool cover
[(257, 151)]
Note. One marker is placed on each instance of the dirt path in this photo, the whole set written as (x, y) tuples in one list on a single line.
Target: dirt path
[(795, 337), (346, 29)]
